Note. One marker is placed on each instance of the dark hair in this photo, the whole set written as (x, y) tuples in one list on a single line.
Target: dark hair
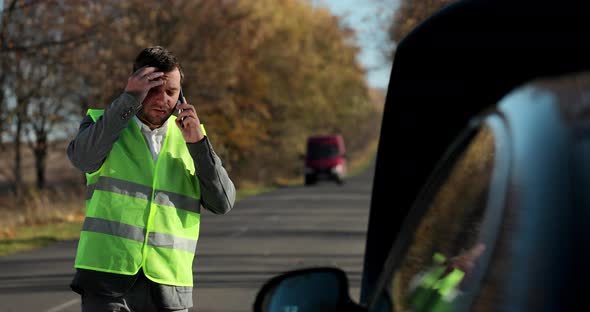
[(159, 57)]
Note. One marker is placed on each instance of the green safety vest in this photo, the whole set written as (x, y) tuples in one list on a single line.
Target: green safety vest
[(435, 291), (141, 214)]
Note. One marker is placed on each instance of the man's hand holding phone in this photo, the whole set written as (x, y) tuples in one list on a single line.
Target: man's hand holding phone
[(188, 122), (142, 80)]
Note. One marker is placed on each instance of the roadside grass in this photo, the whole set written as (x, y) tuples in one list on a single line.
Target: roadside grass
[(28, 237), (25, 237), (48, 220), (252, 190)]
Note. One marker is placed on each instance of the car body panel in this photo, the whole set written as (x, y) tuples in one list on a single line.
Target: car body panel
[(537, 210), (445, 73)]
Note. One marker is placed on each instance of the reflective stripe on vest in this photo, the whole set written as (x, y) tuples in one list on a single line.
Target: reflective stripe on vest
[(140, 213), (138, 234), (127, 188)]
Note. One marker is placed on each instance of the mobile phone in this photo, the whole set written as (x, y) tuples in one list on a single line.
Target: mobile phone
[(181, 101)]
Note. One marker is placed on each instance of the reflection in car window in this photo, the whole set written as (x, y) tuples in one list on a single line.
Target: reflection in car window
[(445, 245)]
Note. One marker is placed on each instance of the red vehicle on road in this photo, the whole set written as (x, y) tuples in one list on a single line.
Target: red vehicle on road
[(325, 158)]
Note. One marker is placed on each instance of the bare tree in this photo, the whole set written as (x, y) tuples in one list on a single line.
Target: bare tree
[(34, 37)]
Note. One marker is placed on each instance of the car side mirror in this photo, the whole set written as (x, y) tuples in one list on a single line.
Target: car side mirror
[(306, 290)]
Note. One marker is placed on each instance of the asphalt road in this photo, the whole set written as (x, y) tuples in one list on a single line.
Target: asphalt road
[(264, 235)]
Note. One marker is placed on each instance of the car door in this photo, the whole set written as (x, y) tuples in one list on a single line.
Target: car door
[(446, 241)]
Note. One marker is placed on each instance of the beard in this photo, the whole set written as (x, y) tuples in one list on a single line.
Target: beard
[(153, 119)]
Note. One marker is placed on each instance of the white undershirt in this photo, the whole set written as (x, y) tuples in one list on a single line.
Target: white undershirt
[(154, 138)]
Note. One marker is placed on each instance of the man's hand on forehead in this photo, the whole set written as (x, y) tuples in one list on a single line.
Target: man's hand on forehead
[(142, 80)]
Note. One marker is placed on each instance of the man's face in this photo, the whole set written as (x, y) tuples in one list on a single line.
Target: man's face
[(160, 101)]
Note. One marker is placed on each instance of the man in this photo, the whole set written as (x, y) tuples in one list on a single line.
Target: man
[(148, 173)]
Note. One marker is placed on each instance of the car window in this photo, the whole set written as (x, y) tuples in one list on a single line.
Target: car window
[(321, 151), (443, 246)]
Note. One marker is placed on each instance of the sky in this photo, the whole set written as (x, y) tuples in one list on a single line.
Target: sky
[(369, 18)]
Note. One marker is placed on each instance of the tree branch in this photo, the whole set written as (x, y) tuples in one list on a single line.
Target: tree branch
[(48, 43)]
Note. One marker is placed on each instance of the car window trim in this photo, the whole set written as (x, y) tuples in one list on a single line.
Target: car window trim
[(495, 206)]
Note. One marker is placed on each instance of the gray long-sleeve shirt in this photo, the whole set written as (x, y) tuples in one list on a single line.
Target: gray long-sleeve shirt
[(94, 141), (88, 150)]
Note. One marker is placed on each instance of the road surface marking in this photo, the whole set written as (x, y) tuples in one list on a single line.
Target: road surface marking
[(64, 305), (314, 197), (242, 230)]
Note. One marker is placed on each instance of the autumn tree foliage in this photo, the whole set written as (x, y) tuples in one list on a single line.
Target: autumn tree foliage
[(263, 74)]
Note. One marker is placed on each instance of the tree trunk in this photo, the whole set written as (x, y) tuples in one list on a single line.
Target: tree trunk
[(40, 159), (18, 178)]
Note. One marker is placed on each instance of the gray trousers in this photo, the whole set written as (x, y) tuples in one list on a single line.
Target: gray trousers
[(137, 299)]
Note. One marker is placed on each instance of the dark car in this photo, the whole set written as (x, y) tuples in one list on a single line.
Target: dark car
[(487, 126), (325, 158)]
